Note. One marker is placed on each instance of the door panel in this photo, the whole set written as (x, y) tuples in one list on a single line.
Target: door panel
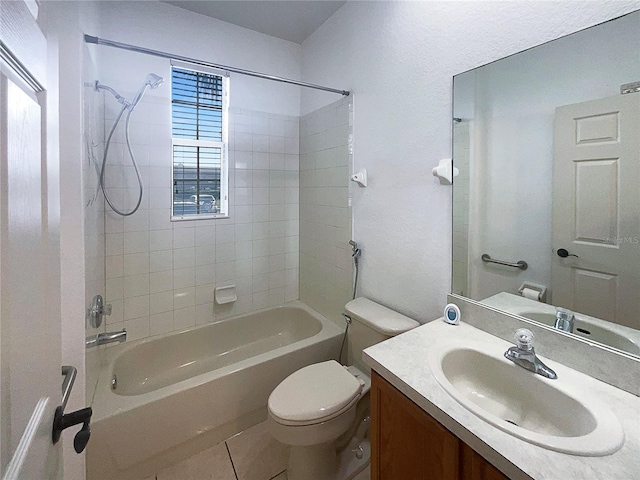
[(596, 205), (30, 346)]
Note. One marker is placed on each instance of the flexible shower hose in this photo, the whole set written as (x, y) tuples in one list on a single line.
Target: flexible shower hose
[(133, 161), (355, 288)]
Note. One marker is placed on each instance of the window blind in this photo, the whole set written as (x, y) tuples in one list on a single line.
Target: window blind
[(198, 108), (196, 105)]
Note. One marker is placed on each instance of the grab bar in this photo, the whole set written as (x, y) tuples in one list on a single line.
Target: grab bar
[(521, 264)]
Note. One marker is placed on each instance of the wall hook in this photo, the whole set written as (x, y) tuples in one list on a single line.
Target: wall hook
[(445, 171), (360, 178)]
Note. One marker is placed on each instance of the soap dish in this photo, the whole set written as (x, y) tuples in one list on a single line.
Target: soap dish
[(226, 294)]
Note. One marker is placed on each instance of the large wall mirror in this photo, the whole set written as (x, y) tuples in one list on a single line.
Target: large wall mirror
[(547, 202)]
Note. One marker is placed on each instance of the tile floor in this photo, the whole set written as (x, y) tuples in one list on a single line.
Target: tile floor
[(250, 455)]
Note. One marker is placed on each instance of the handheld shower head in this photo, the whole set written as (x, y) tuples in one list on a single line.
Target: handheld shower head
[(154, 81)]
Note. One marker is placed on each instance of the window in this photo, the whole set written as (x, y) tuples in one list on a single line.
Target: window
[(199, 117)]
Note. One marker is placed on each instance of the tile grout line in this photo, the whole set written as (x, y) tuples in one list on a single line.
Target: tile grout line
[(231, 460), (276, 476)]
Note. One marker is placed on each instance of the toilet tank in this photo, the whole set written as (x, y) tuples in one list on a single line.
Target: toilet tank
[(372, 323)]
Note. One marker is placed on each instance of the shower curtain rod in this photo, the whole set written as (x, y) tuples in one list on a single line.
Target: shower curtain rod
[(157, 53)]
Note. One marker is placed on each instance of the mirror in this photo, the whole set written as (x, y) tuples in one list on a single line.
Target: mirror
[(546, 207)]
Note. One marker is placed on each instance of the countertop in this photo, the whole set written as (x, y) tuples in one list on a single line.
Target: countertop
[(403, 362)]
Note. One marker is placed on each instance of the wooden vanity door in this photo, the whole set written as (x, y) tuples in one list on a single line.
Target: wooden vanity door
[(406, 442)]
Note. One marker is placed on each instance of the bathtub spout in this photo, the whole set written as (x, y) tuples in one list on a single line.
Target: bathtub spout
[(107, 337)]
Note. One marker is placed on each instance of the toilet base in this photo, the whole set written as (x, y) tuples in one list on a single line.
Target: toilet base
[(314, 462), (353, 460), (320, 462)]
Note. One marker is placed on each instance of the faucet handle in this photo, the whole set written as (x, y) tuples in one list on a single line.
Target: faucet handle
[(524, 339), (564, 313)]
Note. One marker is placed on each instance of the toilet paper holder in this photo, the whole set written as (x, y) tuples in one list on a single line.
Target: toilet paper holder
[(541, 289)]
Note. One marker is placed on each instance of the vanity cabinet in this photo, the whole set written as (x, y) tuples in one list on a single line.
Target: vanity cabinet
[(408, 444)]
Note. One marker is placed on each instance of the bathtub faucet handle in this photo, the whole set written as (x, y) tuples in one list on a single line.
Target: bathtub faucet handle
[(97, 310)]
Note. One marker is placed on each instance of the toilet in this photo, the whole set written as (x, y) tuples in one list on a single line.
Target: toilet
[(321, 410)]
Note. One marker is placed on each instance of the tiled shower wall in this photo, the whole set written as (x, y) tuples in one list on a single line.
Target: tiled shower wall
[(326, 268), (160, 274)]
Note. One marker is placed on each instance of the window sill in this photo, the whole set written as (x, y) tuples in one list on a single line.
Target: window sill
[(188, 218)]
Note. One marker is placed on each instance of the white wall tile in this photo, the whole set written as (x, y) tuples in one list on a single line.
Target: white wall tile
[(161, 323), (114, 266), (114, 244), (225, 234), (205, 274), (183, 298), (160, 240), (136, 264), (136, 242), (114, 288), (225, 272), (184, 318), (204, 294), (184, 277), (205, 235), (136, 285), (160, 261), (161, 281), (184, 257), (160, 274), (161, 302), (136, 307), (260, 160), (204, 313), (184, 237), (137, 328), (205, 255)]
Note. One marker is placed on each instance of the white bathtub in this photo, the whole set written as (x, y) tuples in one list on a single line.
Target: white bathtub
[(181, 392)]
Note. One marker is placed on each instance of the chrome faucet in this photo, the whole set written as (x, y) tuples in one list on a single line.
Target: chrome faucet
[(564, 320), (107, 337), (524, 355)]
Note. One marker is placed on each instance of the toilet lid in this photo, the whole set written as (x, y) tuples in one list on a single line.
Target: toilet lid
[(314, 392)]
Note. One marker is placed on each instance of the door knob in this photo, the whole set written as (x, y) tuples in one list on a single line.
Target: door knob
[(62, 421), (565, 253)]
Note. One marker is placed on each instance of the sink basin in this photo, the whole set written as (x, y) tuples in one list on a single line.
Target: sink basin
[(553, 414), (584, 329)]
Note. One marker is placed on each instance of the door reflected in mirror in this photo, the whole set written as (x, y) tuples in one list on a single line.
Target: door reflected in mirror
[(547, 143)]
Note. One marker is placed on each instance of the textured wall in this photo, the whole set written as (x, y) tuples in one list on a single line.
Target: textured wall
[(160, 26), (399, 59)]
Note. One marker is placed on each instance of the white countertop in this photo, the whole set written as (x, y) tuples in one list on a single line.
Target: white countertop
[(403, 361)]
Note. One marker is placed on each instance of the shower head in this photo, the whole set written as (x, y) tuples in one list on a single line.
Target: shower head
[(154, 81)]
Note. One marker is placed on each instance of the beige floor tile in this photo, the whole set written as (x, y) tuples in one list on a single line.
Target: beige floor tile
[(257, 455), (364, 475), (282, 476), (210, 464)]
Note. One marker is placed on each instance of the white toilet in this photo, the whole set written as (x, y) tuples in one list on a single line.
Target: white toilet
[(318, 409)]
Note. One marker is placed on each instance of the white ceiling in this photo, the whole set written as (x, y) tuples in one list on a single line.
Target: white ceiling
[(289, 20)]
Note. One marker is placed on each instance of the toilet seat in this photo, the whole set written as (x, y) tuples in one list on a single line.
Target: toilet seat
[(314, 394)]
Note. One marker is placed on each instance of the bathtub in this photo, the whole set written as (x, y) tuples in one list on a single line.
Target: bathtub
[(161, 399)]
